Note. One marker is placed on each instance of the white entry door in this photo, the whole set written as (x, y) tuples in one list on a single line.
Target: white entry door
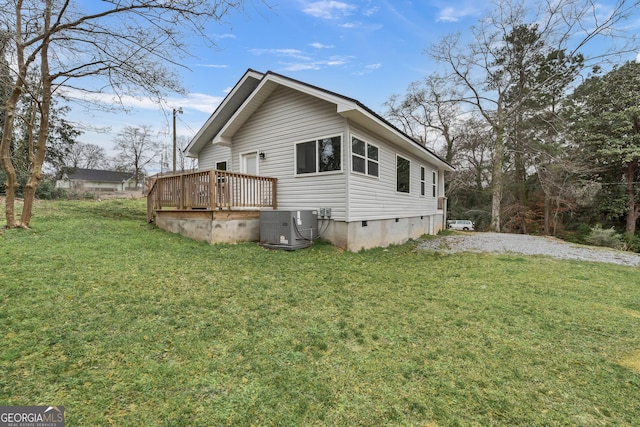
[(249, 163)]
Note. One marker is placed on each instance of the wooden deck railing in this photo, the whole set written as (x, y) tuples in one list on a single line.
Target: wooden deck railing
[(211, 190)]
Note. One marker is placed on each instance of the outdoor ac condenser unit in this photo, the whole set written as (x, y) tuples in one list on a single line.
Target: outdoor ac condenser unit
[(288, 230)]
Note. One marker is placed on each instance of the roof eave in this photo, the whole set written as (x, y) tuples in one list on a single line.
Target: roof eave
[(364, 117), (227, 108)]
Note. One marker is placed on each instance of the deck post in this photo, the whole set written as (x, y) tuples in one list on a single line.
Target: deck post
[(274, 201), (212, 189), (150, 204), (181, 199)]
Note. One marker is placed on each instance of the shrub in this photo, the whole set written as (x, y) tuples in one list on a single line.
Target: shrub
[(47, 190), (606, 237), (577, 233), (631, 242)]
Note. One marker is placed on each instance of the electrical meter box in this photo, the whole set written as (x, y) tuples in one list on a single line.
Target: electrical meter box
[(288, 230)]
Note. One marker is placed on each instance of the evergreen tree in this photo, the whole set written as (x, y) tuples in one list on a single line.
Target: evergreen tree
[(605, 112)]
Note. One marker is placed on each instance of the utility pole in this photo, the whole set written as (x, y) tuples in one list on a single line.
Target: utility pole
[(175, 111)]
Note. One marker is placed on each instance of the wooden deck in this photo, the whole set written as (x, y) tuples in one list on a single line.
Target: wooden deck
[(211, 190)]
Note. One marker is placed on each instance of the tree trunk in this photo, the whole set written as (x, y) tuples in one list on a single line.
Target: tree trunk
[(10, 190), (547, 215), (11, 184), (521, 189), (497, 180), (35, 174), (632, 208), (6, 164)]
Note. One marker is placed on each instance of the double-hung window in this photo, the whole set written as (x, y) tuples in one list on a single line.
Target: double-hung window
[(364, 157), (321, 155), (423, 181), (403, 175), (435, 183)]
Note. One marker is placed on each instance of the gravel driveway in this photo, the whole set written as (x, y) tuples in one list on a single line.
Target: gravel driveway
[(528, 245)]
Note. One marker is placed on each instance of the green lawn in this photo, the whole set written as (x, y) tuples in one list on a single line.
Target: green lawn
[(128, 325)]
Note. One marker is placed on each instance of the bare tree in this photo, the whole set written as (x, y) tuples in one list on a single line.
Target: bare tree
[(488, 70), (127, 46), (86, 156), (428, 106), (185, 163), (137, 149)]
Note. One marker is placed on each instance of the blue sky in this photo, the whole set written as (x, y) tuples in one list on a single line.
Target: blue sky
[(364, 49)]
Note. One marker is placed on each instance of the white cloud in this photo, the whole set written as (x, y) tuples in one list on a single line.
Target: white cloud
[(328, 9), (194, 101), (368, 69), (455, 13), (292, 53), (333, 61), (447, 15), (198, 101), (301, 67), (638, 58), (105, 98), (213, 65), (371, 11), (225, 36), (321, 46)]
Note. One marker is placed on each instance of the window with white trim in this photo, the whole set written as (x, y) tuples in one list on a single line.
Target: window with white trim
[(321, 155), (423, 181), (364, 157), (403, 175), (435, 183), (221, 166)]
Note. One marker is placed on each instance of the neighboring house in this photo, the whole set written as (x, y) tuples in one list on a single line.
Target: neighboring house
[(96, 180), (326, 151)]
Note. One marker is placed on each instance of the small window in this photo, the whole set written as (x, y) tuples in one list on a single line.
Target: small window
[(423, 181), (403, 175), (364, 157), (435, 184), (221, 166), (322, 155)]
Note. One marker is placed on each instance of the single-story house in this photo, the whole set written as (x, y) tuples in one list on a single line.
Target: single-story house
[(79, 179), (372, 184)]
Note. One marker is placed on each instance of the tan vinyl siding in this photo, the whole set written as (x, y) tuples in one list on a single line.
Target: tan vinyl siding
[(376, 198), (288, 117)]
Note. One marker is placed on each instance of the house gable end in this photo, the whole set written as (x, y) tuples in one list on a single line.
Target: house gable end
[(227, 108)]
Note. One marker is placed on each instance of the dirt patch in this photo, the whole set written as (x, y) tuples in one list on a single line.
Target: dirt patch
[(119, 195), (632, 361)]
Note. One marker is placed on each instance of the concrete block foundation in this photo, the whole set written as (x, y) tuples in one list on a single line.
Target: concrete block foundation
[(244, 226)]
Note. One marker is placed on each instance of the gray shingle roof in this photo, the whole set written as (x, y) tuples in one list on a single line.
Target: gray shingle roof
[(99, 175)]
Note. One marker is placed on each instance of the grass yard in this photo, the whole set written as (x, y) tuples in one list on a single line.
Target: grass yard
[(128, 325)]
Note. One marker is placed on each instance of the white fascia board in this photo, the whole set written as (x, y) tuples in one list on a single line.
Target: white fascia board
[(365, 118), (244, 111), (222, 140), (202, 132)]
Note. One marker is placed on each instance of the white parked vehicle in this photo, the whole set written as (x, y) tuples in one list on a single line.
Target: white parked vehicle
[(460, 224)]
